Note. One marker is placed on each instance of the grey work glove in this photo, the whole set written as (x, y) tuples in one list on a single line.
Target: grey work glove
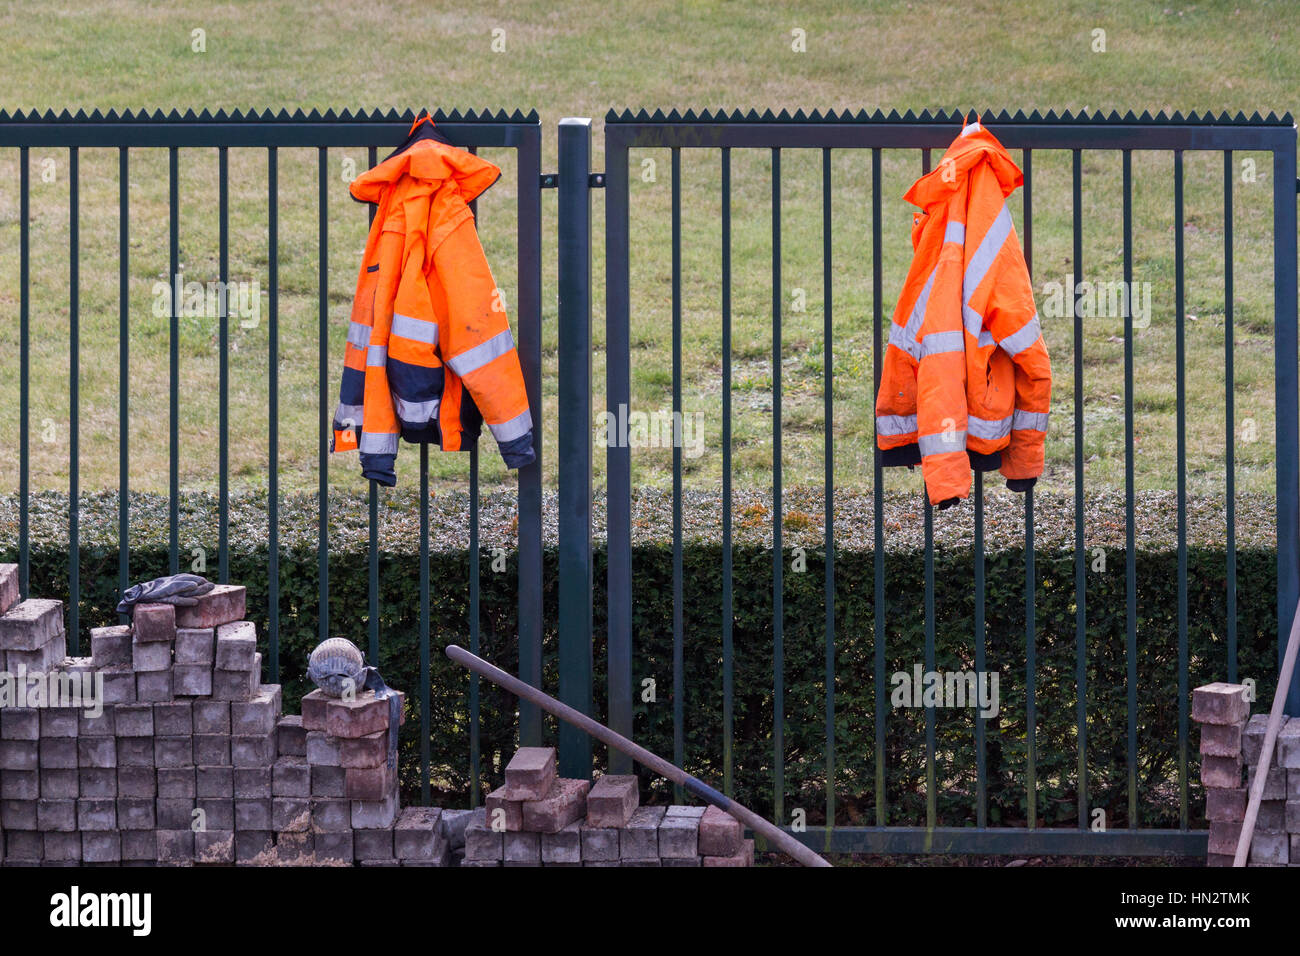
[(182, 590)]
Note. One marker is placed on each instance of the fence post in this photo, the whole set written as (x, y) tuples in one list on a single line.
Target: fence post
[(1288, 417), (575, 438)]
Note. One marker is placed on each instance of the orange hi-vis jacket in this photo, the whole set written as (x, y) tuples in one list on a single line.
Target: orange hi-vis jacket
[(429, 354), (966, 381)]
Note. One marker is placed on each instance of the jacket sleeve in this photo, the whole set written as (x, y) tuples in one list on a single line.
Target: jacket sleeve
[(479, 347), (1015, 326)]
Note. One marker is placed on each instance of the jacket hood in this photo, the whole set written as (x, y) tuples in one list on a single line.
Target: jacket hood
[(973, 146), (427, 154)]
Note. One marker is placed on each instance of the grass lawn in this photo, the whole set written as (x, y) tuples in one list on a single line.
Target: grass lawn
[(561, 60)]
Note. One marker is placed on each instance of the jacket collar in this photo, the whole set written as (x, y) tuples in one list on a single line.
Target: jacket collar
[(974, 145), (428, 155)]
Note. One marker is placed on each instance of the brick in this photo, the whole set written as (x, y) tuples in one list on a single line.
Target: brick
[(118, 685), (212, 750), (328, 782), (214, 846), (599, 844), (291, 814), (677, 810), (291, 777), (150, 656), (1269, 848), (371, 844), (196, 645), (417, 835), (503, 813), (522, 847), (313, 710), (191, 680), (291, 736), (1222, 740), (18, 815), (328, 815), (1252, 739), (96, 814), (211, 717), (322, 749), (1271, 817), (1292, 817), (452, 824), (369, 783), (252, 782), (29, 845), (1225, 806), (58, 815), (173, 752), (564, 846), (20, 785), (134, 720), (140, 845), (253, 845), (530, 774), (136, 782), (174, 719), (134, 751), (97, 781), (259, 715), (175, 813), (111, 646), (46, 659), (175, 847), (1287, 753), (1220, 703), (154, 687), (683, 861), (1275, 784), (481, 842), (566, 803), (99, 752), (679, 837), (178, 782), (375, 814), (218, 814), (364, 752), (639, 840), (255, 750), (224, 604), (136, 813), (720, 833), (60, 783), (58, 722), (1221, 771), (59, 847), (8, 586), (214, 783), (1223, 837), (363, 715), (154, 624), (334, 847), (295, 848), (235, 685), (100, 725), (236, 646), (19, 754), (59, 753), (30, 625), (742, 857), (612, 800), (254, 814), (20, 723)]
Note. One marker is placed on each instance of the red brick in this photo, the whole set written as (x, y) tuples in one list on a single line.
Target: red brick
[(154, 623), (369, 783), (8, 586), (313, 710), (1223, 837), (1223, 772), (1225, 805), (720, 834), (1220, 703), (350, 719), (222, 605), (612, 800), (1222, 740), (742, 857), (364, 752), (566, 803), (530, 775), (502, 812)]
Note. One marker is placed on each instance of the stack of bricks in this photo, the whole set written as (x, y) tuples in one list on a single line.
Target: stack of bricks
[(1230, 740), (540, 819)]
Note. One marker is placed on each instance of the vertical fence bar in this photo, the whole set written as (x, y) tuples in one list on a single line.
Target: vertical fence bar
[(223, 372), (173, 453), (1031, 646), (828, 516), (1180, 336), (1080, 568), (981, 759), (574, 433), (528, 205), (931, 797), (778, 558), (475, 769), (273, 412), (1130, 529), (618, 460), (123, 372), (1229, 415), (425, 690), (24, 370), (323, 409), (679, 689), (877, 495), (728, 748), (74, 400), (372, 623), (1288, 415)]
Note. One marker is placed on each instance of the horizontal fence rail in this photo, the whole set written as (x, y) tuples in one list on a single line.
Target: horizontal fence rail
[(207, 138), (722, 135)]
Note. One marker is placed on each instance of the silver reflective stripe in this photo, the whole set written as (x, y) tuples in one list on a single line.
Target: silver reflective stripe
[(942, 442), (358, 334), (972, 128), (378, 444), (481, 354), (955, 232), (415, 411), (418, 330), (1029, 421), (1017, 342), (377, 356), (895, 424), (905, 338), (517, 427), (982, 260), (348, 415), (974, 323), (937, 343), (989, 429), (898, 338)]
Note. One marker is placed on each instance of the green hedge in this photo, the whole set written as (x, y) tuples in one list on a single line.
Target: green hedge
[(805, 738)]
